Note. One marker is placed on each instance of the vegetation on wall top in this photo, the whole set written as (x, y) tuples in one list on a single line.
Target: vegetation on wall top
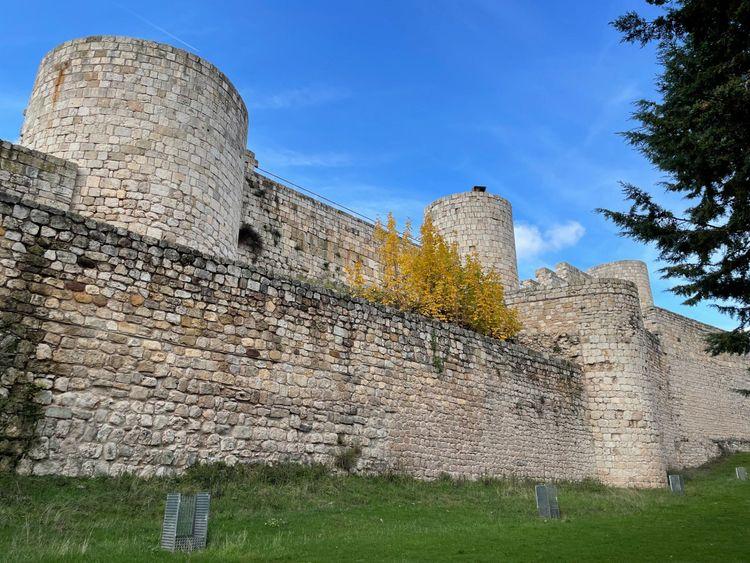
[(433, 280)]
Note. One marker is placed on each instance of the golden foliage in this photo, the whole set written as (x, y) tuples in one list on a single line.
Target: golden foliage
[(431, 279)]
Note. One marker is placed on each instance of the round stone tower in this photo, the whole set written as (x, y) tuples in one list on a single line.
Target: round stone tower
[(631, 270), (158, 135), (479, 222)]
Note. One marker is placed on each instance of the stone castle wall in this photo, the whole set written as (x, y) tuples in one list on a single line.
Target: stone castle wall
[(158, 135), (35, 175), (664, 398), (598, 325), (301, 237), (709, 411), (152, 357), (204, 343)]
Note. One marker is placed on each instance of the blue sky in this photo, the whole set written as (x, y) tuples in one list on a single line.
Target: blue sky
[(385, 106)]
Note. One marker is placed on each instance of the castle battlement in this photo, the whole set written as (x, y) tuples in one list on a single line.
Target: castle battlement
[(166, 300)]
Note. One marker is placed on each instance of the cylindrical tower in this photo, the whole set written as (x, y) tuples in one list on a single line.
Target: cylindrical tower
[(634, 271), (483, 223), (158, 135)]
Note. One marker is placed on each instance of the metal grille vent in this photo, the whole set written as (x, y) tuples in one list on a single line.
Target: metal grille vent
[(185, 526), (546, 501)]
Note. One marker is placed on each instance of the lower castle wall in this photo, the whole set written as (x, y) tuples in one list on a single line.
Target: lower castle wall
[(151, 357), (35, 175), (709, 411)]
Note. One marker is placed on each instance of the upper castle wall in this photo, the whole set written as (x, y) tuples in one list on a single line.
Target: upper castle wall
[(158, 135), (301, 237), (35, 175)]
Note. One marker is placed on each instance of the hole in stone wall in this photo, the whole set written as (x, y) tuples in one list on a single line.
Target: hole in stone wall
[(249, 239), (86, 262)]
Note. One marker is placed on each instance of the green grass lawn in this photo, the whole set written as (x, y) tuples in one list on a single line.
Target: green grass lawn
[(301, 513)]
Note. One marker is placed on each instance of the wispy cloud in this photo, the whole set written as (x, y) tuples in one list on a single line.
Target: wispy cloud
[(284, 158), (611, 111), (298, 97), (157, 27), (531, 242)]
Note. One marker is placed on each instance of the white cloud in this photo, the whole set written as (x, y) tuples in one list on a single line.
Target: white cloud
[(565, 235), (532, 242), (280, 158), (529, 240), (298, 97)]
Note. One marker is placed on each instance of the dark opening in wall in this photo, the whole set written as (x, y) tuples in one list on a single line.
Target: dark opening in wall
[(249, 239), (86, 262)]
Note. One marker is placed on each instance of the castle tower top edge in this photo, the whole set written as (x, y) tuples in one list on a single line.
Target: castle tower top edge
[(170, 52), (634, 271), (158, 135), (479, 222)]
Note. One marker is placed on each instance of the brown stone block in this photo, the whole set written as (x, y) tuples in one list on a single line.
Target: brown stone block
[(75, 286)]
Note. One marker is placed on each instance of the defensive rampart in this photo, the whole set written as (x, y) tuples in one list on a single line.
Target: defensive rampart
[(151, 357)]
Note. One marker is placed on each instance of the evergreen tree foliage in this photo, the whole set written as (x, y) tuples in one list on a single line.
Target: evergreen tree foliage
[(699, 135), (431, 279)]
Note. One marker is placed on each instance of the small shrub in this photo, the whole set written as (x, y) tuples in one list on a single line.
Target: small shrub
[(347, 458), (432, 279), (437, 362)]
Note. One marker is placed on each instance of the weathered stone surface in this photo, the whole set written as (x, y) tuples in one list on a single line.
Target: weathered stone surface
[(158, 136), (322, 371), (35, 175), (655, 398)]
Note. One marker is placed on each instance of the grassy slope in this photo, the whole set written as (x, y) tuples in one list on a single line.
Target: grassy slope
[(296, 513)]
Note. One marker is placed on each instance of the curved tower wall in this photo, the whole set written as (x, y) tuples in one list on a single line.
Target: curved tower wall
[(481, 222), (634, 271), (158, 135)]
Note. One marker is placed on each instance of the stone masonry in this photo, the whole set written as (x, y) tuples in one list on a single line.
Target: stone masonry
[(153, 357), (298, 236), (157, 133), (481, 223), (632, 270), (171, 305), (35, 175)]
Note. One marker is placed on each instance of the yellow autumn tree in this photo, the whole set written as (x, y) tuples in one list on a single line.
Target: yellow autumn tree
[(431, 279)]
